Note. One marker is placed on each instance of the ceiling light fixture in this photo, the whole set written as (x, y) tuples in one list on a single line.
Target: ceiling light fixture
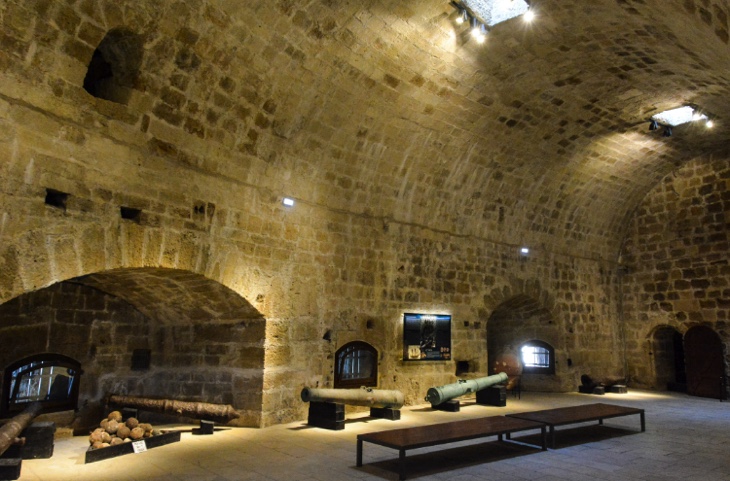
[(287, 201), (653, 125), (667, 131)]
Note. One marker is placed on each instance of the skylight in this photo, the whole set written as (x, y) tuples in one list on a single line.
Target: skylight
[(493, 12), (679, 116)]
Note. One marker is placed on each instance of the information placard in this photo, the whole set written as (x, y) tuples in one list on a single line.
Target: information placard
[(426, 337)]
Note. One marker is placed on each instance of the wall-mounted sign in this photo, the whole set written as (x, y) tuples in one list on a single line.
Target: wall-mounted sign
[(426, 337)]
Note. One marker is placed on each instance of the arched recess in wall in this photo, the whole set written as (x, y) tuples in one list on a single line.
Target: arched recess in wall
[(705, 361), (203, 341), (356, 365), (514, 323), (114, 66), (667, 352)]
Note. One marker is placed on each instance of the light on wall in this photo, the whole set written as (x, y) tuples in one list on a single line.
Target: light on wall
[(288, 201), (525, 251)]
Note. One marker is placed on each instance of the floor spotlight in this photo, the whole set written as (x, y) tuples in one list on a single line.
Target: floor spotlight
[(653, 125)]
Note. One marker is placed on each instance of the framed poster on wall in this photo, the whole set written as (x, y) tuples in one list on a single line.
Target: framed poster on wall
[(426, 337)]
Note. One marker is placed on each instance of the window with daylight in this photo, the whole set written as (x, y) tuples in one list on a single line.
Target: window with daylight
[(51, 379), (492, 12), (356, 364), (538, 358)]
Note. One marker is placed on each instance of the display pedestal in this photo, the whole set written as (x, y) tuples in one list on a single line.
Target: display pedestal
[(452, 406), (10, 468), (493, 396), (327, 415), (385, 413)]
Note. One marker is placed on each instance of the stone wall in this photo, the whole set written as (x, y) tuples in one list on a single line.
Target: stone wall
[(185, 173), (676, 258)]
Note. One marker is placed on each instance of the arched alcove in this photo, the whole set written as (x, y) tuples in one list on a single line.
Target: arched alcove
[(668, 357), (204, 341), (114, 66), (513, 324), (356, 365)]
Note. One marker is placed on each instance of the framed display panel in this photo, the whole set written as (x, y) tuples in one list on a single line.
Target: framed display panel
[(426, 337)]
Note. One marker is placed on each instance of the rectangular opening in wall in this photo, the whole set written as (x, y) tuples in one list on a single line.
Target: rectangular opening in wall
[(56, 198), (141, 359), (130, 213)]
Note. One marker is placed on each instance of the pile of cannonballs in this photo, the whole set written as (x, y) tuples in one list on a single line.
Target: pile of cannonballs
[(113, 431)]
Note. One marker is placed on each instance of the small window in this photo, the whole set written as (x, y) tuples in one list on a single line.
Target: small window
[(51, 379), (537, 357), (356, 364)]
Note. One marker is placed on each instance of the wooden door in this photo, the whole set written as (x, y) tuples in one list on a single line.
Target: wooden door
[(704, 362)]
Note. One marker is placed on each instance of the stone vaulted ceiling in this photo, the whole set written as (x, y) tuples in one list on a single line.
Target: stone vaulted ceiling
[(387, 109)]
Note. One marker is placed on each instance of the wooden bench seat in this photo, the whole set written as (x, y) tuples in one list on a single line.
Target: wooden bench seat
[(578, 414), (406, 439)]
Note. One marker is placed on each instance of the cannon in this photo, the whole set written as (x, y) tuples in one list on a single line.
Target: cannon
[(327, 406), (197, 410), (378, 398), (441, 396)]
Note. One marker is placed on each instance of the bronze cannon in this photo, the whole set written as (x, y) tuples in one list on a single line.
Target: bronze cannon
[(442, 394)]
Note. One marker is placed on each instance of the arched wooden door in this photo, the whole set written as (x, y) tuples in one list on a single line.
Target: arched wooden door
[(704, 362)]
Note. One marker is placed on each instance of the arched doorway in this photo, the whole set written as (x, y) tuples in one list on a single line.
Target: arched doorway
[(704, 360), (669, 365)]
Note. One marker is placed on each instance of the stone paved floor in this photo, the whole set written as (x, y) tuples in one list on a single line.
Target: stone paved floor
[(686, 438)]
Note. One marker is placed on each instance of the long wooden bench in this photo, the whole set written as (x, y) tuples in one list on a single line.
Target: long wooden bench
[(406, 439), (578, 414)]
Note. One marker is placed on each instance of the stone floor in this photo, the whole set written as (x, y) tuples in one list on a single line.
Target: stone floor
[(686, 438)]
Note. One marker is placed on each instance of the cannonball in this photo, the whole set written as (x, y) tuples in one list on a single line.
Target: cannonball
[(112, 426), (116, 441), (132, 423), (106, 437), (105, 445), (96, 435), (146, 426), (115, 416), (136, 433), (103, 423), (123, 431), (97, 445)]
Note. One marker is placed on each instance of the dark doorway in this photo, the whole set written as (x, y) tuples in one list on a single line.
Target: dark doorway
[(704, 362), (669, 365)]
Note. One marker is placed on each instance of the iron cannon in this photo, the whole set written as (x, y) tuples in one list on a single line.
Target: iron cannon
[(365, 396), (442, 394), (197, 410)]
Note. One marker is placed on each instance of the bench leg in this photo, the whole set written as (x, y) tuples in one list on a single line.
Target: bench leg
[(359, 453), (643, 421), (402, 464), (543, 437), (499, 437), (552, 436)]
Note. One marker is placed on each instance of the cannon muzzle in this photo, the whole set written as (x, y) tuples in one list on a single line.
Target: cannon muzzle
[(441, 394), (377, 398)]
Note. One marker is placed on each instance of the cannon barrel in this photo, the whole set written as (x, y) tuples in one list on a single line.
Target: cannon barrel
[(9, 431), (197, 410), (441, 394), (376, 398)]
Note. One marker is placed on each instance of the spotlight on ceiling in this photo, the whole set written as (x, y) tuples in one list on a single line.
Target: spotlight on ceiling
[(653, 125), (463, 17), (287, 201), (709, 124), (529, 15), (667, 131)]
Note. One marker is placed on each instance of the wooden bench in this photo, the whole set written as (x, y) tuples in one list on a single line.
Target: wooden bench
[(578, 414), (436, 434)]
